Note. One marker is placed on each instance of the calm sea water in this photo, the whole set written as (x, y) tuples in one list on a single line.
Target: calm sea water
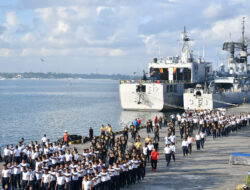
[(31, 108)]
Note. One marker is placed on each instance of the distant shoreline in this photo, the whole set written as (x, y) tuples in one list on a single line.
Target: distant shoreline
[(32, 75)]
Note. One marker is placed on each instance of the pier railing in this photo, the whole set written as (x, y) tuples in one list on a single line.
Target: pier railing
[(155, 81)]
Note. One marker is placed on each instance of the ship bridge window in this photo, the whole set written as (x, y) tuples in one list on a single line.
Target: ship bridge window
[(140, 88), (159, 73), (182, 74), (187, 74)]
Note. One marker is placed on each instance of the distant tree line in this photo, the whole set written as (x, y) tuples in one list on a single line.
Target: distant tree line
[(67, 75)]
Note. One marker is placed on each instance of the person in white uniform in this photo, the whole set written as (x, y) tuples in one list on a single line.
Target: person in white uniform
[(167, 152)]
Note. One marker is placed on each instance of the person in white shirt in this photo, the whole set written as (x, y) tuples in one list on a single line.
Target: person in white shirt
[(16, 175), (68, 178), (6, 154), (17, 155), (145, 151), (43, 140), (172, 138), (150, 148), (104, 178), (167, 152), (184, 145), (32, 178), (172, 147), (68, 157), (52, 181), (117, 173), (60, 182), (75, 178), (45, 180), (25, 178), (38, 175), (167, 139), (87, 183), (198, 140), (6, 176), (11, 153), (203, 135)]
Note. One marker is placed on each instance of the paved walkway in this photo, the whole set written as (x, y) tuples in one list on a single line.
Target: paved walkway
[(206, 169)]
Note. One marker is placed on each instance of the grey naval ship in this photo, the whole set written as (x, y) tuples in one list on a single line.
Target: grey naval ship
[(230, 85), (167, 78)]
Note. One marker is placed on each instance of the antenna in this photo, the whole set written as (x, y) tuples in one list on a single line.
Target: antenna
[(230, 37), (203, 52), (243, 30)]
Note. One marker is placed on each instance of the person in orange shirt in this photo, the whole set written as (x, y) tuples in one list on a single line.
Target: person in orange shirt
[(66, 138), (154, 159)]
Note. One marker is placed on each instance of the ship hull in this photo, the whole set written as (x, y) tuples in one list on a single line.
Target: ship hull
[(156, 97), (214, 100)]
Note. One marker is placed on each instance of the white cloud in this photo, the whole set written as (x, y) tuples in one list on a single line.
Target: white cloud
[(103, 8), (12, 21), (212, 11), (62, 27), (221, 29), (117, 52)]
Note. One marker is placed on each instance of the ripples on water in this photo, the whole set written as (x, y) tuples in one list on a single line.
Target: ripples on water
[(31, 108)]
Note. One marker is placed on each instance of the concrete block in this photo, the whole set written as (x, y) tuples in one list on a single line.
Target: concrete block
[(240, 159)]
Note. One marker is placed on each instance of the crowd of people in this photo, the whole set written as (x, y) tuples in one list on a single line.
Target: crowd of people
[(205, 123), (110, 162)]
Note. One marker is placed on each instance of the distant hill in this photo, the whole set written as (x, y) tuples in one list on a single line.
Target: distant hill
[(66, 75)]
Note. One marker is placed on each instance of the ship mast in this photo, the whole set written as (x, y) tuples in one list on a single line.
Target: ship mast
[(231, 47), (186, 54), (244, 46)]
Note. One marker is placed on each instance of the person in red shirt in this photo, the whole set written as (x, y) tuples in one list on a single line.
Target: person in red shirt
[(156, 120), (154, 159)]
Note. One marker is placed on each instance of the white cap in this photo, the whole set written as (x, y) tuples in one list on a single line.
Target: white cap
[(65, 131)]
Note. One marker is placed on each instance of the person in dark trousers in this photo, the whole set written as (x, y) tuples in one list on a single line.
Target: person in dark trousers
[(91, 133), (185, 147), (154, 159), (167, 151), (203, 135), (6, 176), (156, 145), (198, 140), (172, 146)]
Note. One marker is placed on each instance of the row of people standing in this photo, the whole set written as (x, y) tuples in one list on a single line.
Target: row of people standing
[(95, 168)]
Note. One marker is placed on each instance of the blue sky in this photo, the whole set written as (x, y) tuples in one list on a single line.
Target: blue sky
[(112, 36)]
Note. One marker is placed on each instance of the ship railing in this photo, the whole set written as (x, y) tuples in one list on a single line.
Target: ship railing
[(155, 81)]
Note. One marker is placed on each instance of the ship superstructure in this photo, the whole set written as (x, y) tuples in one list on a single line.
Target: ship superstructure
[(164, 87), (231, 84)]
